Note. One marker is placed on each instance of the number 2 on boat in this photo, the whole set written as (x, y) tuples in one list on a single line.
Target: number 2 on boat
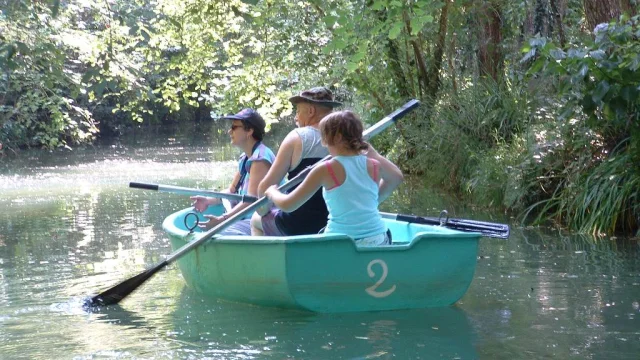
[(372, 289)]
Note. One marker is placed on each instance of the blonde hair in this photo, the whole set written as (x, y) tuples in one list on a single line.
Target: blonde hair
[(348, 126)]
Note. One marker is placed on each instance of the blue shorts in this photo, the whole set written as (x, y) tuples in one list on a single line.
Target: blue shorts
[(240, 227)]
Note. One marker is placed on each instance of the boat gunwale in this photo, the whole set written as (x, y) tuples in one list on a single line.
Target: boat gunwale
[(168, 226)]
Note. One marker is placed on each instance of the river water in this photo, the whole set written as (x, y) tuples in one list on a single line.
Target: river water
[(70, 227)]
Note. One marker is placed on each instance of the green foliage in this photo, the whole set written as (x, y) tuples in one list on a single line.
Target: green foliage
[(37, 88), (472, 140), (602, 200), (141, 60), (599, 80), (592, 186)]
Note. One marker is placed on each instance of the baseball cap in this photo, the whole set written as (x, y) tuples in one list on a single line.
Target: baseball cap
[(250, 117)]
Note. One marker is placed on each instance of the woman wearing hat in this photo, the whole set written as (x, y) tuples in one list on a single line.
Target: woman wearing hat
[(302, 147), (246, 132)]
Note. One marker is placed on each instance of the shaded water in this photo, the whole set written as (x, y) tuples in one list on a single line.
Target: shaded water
[(69, 226)]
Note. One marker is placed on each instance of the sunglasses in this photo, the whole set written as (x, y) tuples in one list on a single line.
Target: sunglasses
[(233, 127)]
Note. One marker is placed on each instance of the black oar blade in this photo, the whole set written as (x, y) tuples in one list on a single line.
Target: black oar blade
[(487, 229), (487, 232), (123, 289)]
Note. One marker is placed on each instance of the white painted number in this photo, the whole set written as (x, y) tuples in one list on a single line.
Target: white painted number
[(372, 289)]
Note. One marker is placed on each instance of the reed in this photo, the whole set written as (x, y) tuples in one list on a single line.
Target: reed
[(603, 200)]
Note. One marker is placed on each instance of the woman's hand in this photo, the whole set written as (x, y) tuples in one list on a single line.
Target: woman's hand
[(201, 203), (264, 209), (270, 191), (213, 221)]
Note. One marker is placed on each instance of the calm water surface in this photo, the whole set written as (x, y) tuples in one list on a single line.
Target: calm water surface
[(70, 226)]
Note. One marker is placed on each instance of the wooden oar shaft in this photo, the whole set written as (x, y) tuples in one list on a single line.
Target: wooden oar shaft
[(192, 192)]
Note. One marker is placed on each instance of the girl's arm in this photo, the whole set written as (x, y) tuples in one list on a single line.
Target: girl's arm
[(390, 176), (289, 202)]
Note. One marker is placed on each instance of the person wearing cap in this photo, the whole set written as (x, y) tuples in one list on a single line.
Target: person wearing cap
[(302, 147), (246, 132)]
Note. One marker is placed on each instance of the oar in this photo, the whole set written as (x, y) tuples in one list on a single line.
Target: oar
[(123, 289), (487, 229), (188, 191)]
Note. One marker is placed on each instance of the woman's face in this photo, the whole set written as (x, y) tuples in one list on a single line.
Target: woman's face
[(238, 133)]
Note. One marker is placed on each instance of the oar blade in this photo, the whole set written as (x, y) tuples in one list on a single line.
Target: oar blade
[(487, 229), (123, 289), (499, 233)]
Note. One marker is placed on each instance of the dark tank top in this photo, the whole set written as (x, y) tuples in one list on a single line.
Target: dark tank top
[(309, 218)]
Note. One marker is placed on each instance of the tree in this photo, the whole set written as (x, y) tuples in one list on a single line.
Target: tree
[(603, 11), (490, 38)]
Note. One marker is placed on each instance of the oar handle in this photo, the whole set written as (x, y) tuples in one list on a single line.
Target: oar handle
[(137, 185), (193, 192)]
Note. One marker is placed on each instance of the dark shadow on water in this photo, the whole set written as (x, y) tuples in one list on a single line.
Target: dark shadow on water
[(117, 315), (405, 334)]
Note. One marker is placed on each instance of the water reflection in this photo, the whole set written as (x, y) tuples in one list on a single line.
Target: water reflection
[(425, 333), (569, 292)]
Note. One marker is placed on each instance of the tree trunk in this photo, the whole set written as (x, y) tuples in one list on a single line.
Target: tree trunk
[(395, 64), (433, 75), (541, 19), (555, 9), (394, 56), (629, 8), (417, 53), (527, 26), (603, 11), (490, 38), (452, 66)]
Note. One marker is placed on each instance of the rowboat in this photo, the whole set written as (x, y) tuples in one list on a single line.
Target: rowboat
[(425, 266)]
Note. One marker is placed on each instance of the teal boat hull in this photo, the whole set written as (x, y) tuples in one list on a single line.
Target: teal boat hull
[(426, 266)]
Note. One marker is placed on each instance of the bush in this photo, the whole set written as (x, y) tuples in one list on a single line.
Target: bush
[(592, 182)]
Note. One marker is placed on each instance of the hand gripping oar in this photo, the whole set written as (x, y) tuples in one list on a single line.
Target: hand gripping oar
[(485, 228), (188, 191), (123, 289)]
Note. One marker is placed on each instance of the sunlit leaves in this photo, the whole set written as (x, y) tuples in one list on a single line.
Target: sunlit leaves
[(395, 30), (418, 22)]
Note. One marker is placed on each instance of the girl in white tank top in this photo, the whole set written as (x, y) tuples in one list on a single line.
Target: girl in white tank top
[(350, 181)]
